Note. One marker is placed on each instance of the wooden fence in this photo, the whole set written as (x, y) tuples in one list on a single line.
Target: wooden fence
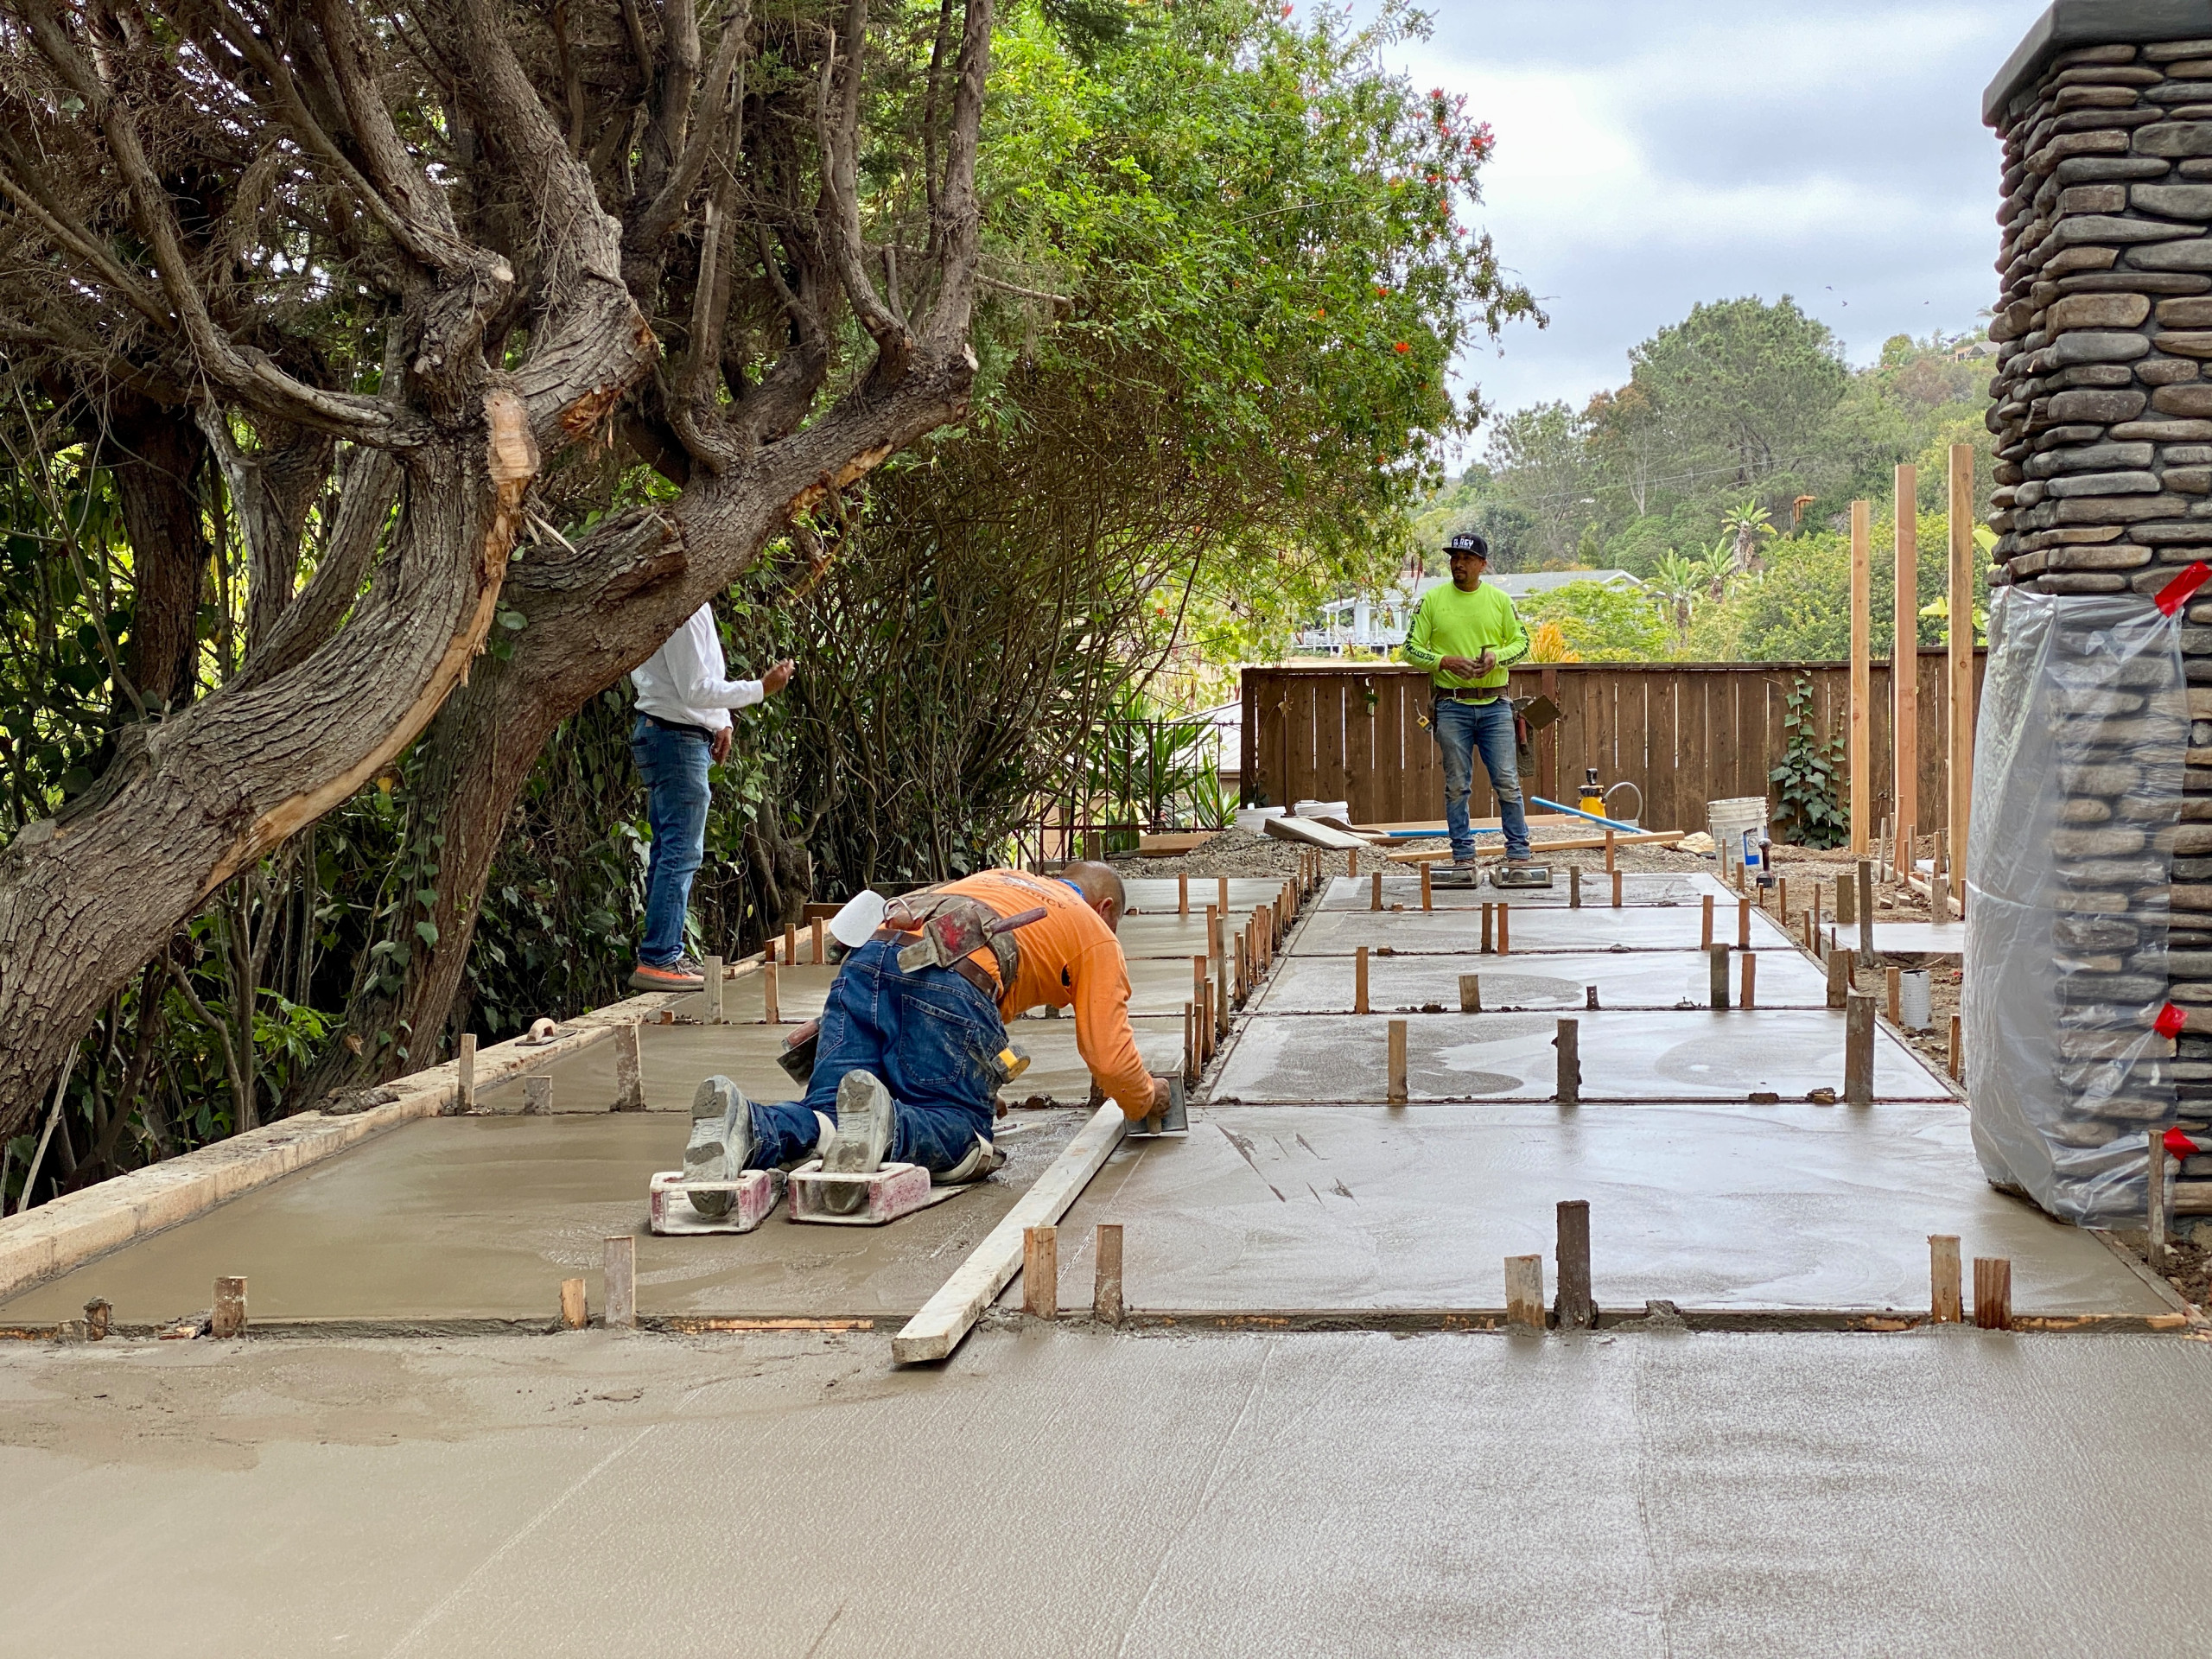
[(1684, 733)]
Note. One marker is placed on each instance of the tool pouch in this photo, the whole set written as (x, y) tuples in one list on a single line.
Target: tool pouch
[(953, 927)]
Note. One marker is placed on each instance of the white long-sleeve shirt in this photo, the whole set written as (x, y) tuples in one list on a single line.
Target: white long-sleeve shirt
[(686, 681)]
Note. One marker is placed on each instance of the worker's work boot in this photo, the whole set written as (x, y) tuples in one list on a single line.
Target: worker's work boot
[(866, 1121), (721, 1141), (682, 974), (982, 1158)]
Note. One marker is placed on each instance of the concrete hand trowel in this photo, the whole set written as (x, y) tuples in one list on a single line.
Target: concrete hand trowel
[(1175, 1119)]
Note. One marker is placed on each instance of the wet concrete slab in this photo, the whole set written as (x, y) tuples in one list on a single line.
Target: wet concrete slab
[(1403, 890), (1918, 938), (1152, 896), (1627, 979), (1791, 1207), (482, 1218), (1172, 935), (1627, 1055), (675, 1057), (1532, 927)]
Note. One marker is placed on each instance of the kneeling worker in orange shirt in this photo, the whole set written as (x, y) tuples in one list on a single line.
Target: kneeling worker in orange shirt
[(906, 1070)]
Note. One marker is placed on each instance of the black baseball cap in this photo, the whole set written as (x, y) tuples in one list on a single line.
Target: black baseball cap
[(1467, 542)]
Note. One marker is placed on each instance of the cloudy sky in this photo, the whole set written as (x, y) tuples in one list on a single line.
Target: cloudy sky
[(1655, 153)]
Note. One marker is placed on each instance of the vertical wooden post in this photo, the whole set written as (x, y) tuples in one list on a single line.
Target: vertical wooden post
[(1866, 912), (1428, 894), (1040, 1272), (1221, 996), (573, 1314), (1569, 1089), (465, 1072), (1944, 1306), (1859, 1049), (1398, 1089), (1748, 999), (1183, 895), (712, 971), (629, 1069), (1213, 932), (1221, 893), (1611, 868), (621, 1272), (791, 944), (1471, 992), (1993, 1293), (1240, 977), (229, 1316), (1190, 1042), (820, 950), (1742, 924), (1957, 1066), (1782, 898), (1892, 984), (1106, 1288), (1489, 937), (1524, 1291), (2155, 1207), (1705, 925), (1884, 852), (1904, 665), (1359, 980), (771, 1012), (1716, 963), (1504, 938), (1209, 1038), (1375, 890), (1574, 887), (1839, 977), (1351, 863), (1961, 664), (1575, 1309), (1862, 682), (1616, 889), (1846, 900)]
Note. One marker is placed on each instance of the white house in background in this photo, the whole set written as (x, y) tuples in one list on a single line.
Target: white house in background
[(1365, 623)]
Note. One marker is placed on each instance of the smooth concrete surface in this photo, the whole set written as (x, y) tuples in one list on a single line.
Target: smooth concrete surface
[(1627, 1055), (1918, 938), (1956, 1495), (1637, 887), (1531, 927), (1708, 1206), (482, 1218), (675, 1058), (1174, 936), (1153, 895), (1627, 979)]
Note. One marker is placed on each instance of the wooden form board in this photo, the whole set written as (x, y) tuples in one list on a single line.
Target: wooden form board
[(1858, 749), (1961, 676), (948, 1316), (1904, 792), (1684, 733)]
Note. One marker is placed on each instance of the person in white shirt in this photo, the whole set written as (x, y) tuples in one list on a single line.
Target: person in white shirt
[(684, 700)]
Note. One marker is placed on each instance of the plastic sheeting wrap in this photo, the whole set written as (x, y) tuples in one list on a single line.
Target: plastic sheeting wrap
[(2077, 784)]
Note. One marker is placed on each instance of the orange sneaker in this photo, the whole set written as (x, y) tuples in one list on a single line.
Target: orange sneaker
[(683, 975)]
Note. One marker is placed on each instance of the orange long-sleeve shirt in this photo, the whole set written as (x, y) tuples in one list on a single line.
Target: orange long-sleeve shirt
[(1071, 958)]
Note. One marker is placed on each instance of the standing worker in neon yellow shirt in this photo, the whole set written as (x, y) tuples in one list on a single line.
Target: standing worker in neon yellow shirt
[(1468, 636)]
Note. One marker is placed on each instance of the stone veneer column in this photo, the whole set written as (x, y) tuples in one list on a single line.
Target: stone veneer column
[(2103, 421)]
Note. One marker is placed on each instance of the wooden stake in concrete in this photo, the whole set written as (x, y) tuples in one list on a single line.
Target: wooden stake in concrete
[(1782, 898), (536, 1096), (1574, 1309), (1866, 912), (1213, 932), (629, 1069), (1375, 888), (1221, 996), (1221, 893), (820, 950), (1504, 933), (621, 1271), (1471, 992), (2155, 1208), (1359, 980), (1616, 889), (1717, 961), (1106, 1288), (1573, 886), (229, 1316), (1847, 900), (1813, 915), (1705, 925), (1190, 1042), (1892, 982), (1427, 894), (1939, 886), (1859, 1049), (1944, 1306), (1569, 1089), (1040, 1272), (1524, 1291), (1956, 1067), (1860, 727), (1611, 868), (1351, 863), (1961, 664), (1241, 976), (771, 1012), (712, 972), (1839, 977), (1884, 854), (791, 944), (1209, 1020), (1489, 924), (573, 1317), (1748, 999), (465, 1072), (1904, 661), (1183, 895), (1742, 924), (1993, 1293), (100, 1312), (1398, 1092)]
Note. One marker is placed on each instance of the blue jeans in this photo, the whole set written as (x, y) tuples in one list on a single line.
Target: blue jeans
[(928, 1036), (1461, 729), (674, 766)]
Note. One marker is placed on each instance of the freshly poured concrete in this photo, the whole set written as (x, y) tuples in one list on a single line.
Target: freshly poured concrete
[(1531, 927), (1916, 938), (1071, 1493), (1791, 1206), (1627, 1055), (1627, 979), (1399, 888), (1152, 896), (483, 1218)]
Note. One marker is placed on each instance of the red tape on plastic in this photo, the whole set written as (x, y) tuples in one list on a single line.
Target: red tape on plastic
[(2175, 593), (2170, 1021), (2179, 1145)]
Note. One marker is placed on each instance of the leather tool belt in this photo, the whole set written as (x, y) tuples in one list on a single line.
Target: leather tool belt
[(963, 966), (1468, 696), (947, 929)]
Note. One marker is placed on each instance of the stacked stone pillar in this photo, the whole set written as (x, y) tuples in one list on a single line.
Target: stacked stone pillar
[(2102, 415)]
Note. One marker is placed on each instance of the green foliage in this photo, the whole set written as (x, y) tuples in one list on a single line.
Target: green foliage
[(1806, 783), (1601, 624)]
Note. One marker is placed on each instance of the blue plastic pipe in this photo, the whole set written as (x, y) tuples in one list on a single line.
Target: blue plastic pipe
[(1609, 824)]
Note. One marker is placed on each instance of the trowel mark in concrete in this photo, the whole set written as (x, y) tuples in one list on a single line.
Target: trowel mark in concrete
[(1533, 928), (1626, 1055)]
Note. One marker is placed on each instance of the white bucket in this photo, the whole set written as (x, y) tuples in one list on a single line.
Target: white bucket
[(1253, 820), (1727, 820), (1912, 1001), (1323, 810)]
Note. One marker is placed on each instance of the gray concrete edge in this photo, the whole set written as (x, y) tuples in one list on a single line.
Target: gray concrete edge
[(2070, 23)]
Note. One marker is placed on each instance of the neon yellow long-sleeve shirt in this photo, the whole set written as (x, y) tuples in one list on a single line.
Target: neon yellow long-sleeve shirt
[(1452, 623)]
